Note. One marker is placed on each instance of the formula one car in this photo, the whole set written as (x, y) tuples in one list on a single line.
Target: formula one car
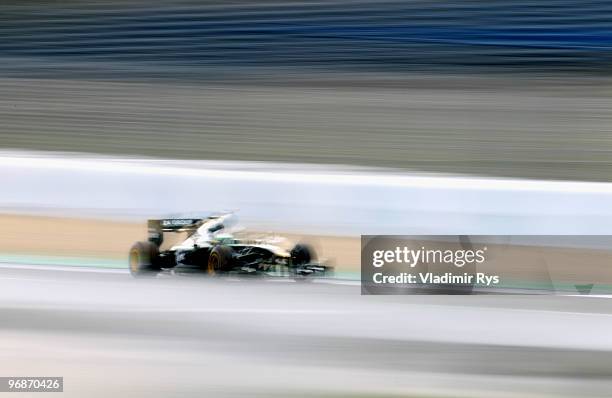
[(211, 244)]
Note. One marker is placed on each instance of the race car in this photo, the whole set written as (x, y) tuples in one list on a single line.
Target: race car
[(211, 244)]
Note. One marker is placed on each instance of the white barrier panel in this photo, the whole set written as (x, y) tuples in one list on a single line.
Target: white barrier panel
[(305, 198)]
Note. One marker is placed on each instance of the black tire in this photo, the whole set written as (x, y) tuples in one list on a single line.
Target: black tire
[(302, 254), (220, 260), (144, 258)]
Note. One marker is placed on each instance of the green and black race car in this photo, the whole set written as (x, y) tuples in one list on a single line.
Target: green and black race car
[(209, 245)]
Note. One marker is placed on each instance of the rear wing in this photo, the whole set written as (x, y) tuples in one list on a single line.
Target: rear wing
[(156, 228)]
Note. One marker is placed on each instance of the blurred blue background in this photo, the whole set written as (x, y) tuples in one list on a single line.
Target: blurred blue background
[(199, 38)]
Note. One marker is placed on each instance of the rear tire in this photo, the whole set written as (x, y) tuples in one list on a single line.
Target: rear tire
[(144, 259), (220, 260)]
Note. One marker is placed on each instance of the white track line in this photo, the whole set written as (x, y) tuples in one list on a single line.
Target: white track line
[(344, 282), (63, 268), (126, 271)]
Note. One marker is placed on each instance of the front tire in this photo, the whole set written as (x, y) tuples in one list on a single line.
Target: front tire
[(144, 259), (302, 254)]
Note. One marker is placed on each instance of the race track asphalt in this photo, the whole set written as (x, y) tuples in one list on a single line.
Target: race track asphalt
[(110, 335)]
